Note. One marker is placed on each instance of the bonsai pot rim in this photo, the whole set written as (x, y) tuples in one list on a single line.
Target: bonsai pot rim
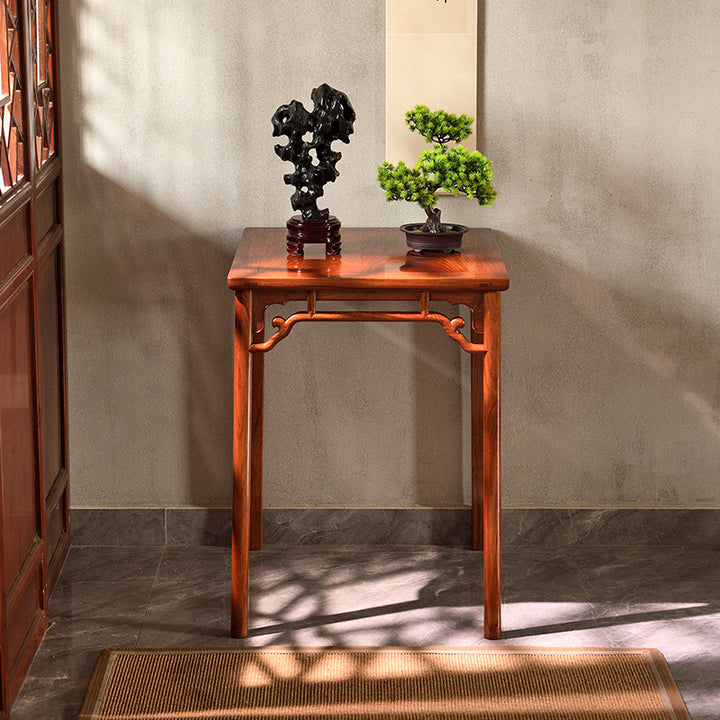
[(449, 239)]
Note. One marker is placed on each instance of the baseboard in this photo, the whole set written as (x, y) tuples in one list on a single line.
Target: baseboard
[(404, 526)]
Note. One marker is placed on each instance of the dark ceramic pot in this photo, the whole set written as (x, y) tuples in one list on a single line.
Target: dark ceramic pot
[(446, 241)]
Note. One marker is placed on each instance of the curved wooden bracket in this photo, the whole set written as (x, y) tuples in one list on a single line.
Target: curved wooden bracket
[(452, 326)]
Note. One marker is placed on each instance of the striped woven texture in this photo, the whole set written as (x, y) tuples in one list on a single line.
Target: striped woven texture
[(504, 683)]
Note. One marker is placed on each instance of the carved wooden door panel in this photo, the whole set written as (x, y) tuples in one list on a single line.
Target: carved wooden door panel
[(34, 509)]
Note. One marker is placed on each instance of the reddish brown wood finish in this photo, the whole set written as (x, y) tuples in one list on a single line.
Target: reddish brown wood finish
[(374, 267), (15, 235), (477, 424), (241, 465), (326, 232), (34, 505), (257, 405), (491, 463), (372, 259)]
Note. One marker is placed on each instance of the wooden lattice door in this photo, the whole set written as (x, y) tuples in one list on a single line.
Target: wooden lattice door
[(34, 509)]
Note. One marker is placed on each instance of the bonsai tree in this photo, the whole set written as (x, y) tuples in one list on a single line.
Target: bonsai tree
[(453, 169)]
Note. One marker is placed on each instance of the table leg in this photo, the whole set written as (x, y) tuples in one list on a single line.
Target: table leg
[(257, 397), (491, 465), (241, 467), (476, 428)]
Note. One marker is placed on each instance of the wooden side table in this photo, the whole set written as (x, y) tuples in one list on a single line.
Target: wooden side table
[(373, 267)]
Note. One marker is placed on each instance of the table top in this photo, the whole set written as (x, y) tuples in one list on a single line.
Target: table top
[(371, 258)]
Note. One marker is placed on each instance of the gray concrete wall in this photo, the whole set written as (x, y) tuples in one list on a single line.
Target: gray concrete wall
[(602, 121)]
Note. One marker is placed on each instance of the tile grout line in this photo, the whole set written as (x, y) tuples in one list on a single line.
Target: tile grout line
[(150, 594)]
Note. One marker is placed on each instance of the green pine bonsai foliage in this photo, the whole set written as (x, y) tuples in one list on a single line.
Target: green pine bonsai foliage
[(454, 169)]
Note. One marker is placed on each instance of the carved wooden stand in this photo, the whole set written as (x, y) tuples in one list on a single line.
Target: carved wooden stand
[(262, 275), (301, 231)]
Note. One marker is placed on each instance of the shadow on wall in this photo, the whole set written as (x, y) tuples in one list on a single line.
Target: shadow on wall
[(150, 343), (607, 397), (356, 415)]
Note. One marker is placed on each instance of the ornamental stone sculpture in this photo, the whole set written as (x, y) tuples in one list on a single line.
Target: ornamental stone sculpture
[(309, 148)]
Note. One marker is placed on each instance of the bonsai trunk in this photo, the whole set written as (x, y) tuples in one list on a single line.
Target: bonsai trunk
[(433, 224)]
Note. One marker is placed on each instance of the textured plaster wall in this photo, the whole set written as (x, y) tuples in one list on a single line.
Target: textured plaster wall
[(602, 121)]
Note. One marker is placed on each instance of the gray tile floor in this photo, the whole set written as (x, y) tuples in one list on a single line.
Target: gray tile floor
[(668, 598)]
